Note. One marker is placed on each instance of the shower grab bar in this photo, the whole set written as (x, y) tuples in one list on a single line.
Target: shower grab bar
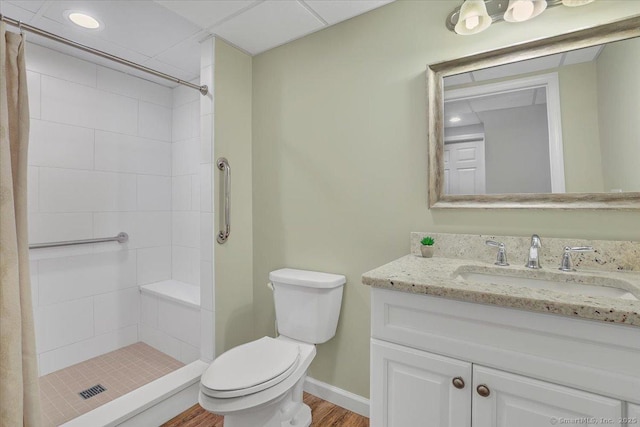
[(122, 237), (225, 218)]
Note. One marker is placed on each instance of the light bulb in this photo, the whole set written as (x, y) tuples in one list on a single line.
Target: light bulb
[(522, 10), (472, 22)]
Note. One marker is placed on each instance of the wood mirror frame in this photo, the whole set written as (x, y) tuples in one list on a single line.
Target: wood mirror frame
[(616, 31)]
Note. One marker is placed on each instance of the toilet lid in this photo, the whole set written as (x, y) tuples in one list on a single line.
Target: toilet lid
[(250, 368)]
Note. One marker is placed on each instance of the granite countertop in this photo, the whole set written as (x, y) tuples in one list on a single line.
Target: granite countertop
[(439, 276)]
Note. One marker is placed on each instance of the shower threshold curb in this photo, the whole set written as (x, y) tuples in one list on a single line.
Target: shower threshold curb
[(151, 404)]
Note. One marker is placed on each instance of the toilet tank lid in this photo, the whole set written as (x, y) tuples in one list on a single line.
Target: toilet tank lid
[(311, 279)]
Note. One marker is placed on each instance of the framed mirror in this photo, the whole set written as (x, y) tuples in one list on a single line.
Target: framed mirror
[(553, 123)]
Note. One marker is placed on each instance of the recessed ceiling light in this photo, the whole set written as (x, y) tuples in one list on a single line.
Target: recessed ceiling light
[(455, 119), (83, 20)]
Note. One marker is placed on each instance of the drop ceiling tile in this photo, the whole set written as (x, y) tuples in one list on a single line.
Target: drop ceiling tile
[(334, 11), (30, 5), (142, 26), (587, 54), (531, 65), (206, 14), (267, 25)]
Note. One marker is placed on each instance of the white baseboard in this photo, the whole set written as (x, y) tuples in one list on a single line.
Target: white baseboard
[(337, 396)]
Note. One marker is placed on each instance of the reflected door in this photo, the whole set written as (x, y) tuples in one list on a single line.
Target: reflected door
[(464, 167)]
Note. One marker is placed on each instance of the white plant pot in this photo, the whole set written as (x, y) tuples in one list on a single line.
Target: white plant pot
[(426, 251)]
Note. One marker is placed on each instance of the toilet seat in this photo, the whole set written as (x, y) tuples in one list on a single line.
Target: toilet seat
[(250, 368)]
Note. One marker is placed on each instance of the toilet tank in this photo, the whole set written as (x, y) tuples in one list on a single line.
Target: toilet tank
[(307, 303)]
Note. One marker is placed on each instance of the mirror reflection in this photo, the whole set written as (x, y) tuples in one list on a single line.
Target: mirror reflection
[(564, 123)]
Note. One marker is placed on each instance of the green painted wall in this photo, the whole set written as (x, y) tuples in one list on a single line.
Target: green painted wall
[(340, 158), (232, 139)]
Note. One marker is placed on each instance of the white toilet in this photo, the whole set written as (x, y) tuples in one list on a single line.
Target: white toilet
[(259, 384)]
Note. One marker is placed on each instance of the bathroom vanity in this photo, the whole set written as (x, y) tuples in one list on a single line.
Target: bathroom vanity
[(457, 341)]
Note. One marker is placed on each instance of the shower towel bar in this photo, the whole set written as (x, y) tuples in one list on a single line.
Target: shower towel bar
[(122, 237)]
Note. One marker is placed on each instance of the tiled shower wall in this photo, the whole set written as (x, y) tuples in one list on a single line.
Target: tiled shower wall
[(100, 162)]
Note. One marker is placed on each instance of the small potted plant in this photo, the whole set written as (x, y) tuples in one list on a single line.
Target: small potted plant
[(426, 246)]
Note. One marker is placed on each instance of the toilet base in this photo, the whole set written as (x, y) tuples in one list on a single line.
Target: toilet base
[(288, 411)]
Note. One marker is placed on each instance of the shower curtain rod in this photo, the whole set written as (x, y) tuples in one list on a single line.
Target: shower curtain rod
[(204, 90)]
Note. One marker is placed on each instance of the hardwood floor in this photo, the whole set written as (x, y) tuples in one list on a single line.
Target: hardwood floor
[(324, 414)]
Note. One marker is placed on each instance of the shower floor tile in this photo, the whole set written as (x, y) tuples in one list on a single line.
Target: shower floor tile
[(119, 372)]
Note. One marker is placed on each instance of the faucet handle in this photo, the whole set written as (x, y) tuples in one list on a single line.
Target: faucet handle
[(501, 258), (566, 264)]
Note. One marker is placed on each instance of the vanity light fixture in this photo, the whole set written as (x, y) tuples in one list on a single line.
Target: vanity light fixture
[(474, 16), (523, 10), (83, 20)]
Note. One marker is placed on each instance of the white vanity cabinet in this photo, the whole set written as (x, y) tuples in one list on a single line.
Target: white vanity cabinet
[(633, 414), (414, 388), (437, 362)]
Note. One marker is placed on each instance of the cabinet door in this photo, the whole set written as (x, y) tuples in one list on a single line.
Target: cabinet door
[(633, 413), (515, 400), (413, 388)]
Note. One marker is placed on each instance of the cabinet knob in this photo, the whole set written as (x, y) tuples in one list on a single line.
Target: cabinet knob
[(483, 390), (458, 382)]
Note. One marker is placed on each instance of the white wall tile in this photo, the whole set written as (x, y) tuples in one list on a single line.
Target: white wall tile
[(124, 153), (185, 157), (185, 264), (33, 89), (206, 187), (123, 84), (184, 95), (62, 324), (33, 275), (74, 104), (206, 139), (154, 264), (154, 193), (206, 236), (116, 310), (81, 276), (207, 296), (195, 192), (149, 310), (67, 190), (146, 229), (186, 229), (207, 340), (63, 146), (188, 353), (154, 121), (206, 101), (54, 227), (181, 193), (179, 321), (206, 52), (56, 64), (185, 121), (32, 189), (160, 341), (78, 352)]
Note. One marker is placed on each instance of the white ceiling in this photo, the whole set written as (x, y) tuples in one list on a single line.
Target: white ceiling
[(165, 34)]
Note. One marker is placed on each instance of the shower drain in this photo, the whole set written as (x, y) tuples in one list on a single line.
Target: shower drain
[(92, 391)]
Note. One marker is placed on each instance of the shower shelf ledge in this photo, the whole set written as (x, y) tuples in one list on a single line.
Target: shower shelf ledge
[(174, 290)]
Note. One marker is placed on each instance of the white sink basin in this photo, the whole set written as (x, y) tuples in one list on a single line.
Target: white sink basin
[(605, 290)]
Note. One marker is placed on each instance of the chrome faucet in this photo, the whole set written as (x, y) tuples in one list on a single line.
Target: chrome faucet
[(567, 264), (533, 261)]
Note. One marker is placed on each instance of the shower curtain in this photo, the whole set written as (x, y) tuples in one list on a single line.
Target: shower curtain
[(19, 394)]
